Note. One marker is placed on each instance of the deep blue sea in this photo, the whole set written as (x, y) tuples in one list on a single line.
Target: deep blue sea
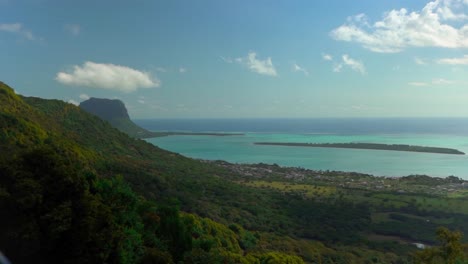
[(435, 132)]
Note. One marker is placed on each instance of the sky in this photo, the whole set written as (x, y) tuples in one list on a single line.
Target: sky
[(242, 58)]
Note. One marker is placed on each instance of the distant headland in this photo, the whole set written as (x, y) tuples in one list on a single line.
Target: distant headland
[(372, 146), (115, 112)]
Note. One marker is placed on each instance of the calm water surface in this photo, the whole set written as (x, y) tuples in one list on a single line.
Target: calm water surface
[(450, 133)]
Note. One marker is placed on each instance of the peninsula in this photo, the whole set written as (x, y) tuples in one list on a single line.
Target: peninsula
[(115, 112), (217, 134), (372, 146)]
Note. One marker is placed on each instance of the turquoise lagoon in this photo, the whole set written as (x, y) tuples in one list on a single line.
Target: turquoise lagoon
[(433, 132), (241, 149)]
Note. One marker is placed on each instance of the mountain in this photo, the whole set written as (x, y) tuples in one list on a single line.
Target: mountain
[(116, 114), (106, 109)]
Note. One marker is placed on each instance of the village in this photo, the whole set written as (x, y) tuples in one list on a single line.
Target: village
[(449, 186)]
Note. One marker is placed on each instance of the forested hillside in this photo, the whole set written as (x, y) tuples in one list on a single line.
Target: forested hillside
[(77, 190), (67, 201)]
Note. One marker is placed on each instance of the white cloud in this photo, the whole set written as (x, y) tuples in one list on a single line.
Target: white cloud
[(158, 107), (442, 81), (182, 70), (439, 81), (227, 60), (264, 67), (11, 27), (327, 57), (71, 101), (351, 63), (360, 107), (73, 29), (433, 26), (418, 83), (454, 61), (447, 7), (107, 76), (84, 96), (160, 69), (356, 107), (337, 67), (347, 61), (17, 28), (297, 68), (141, 101), (354, 64), (419, 61)]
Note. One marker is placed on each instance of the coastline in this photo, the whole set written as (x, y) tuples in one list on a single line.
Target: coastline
[(268, 175), (369, 146), (154, 134)]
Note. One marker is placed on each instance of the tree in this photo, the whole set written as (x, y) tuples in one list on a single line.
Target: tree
[(450, 250)]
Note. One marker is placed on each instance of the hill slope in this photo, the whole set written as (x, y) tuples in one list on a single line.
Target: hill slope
[(251, 213), (64, 202)]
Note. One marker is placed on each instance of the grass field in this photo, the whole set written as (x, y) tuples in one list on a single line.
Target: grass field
[(309, 191)]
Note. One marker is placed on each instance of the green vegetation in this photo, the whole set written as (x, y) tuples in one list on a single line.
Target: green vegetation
[(59, 213), (450, 250), (309, 191), (373, 146), (75, 189)]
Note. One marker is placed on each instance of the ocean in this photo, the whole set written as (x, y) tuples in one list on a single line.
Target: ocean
[(434, 132)]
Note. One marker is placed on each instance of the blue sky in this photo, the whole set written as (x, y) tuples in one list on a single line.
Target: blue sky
[(244, 58)]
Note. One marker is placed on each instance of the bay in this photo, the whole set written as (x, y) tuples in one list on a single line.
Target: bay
[(449, 133)]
